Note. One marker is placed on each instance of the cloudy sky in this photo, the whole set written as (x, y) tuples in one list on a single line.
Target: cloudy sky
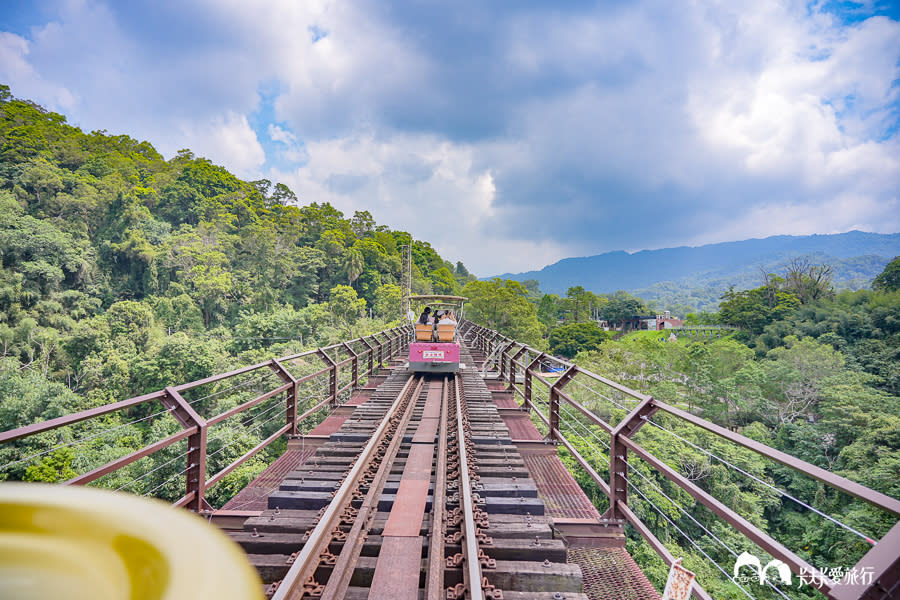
[(508, 134)]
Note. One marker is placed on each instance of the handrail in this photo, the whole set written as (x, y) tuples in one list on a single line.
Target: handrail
[(882, 561), (289, 385)]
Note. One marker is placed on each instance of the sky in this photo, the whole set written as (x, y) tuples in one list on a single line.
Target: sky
[(509, 134)]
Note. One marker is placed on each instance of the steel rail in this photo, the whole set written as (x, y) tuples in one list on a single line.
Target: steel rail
[(434, 582), (291, 587), (472, 567), (343, 569)]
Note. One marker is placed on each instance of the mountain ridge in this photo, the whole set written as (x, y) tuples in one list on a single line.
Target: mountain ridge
[(620, 270)]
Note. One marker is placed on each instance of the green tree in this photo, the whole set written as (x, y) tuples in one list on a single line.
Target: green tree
[(387, 301), (548, 310), (132, 320), (345, 306), (753, 309), (569, 340), (504, 306), (796, 373), (353, 264), (443, 282), (889, 279), (621, 308)]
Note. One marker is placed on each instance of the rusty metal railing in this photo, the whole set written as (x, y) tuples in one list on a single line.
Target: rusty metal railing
[(599, 404), (288, 391)]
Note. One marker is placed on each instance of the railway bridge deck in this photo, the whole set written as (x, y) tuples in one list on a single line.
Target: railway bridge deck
[(545, 540), (448, 486)]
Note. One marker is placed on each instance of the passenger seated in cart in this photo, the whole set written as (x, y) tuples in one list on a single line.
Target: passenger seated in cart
[(424, 326), (445, 328)]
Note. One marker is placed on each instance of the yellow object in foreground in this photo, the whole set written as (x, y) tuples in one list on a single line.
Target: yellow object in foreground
[(74, 543)]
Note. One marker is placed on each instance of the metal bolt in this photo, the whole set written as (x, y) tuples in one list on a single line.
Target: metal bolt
[(255, 533), (546, 563), (558, 596), (277, 511)]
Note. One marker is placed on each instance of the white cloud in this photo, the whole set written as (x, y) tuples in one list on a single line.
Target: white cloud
[(417, 183), (17, 71), (226, 140), (550, 130), (838, 214), (279, 134)]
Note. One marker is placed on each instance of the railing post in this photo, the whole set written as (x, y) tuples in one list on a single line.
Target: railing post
[(401, 340), (390, 345), (291, 400), (618, 457), (354, 365), (503, 360), (380, 349), (371, 350), (332, 378), (512, 366), (528, 369), (408, 331), (884, 564), (565, 378), (493, 343), (187, 417)]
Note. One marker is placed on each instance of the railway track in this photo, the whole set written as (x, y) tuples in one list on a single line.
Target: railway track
[(420, 494)]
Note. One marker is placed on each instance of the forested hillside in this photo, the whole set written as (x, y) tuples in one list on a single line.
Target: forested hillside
[(807, 370), (122, 272)]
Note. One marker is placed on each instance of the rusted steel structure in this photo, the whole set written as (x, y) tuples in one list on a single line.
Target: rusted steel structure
[(446, 438), (419, 494), (547, 396), (308, 383)]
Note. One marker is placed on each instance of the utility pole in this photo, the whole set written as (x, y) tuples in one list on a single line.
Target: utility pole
[(406, 279)]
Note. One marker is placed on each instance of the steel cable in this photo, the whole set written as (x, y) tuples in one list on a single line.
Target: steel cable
[(760, 481)]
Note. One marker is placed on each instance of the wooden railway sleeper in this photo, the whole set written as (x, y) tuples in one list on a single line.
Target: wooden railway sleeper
[(310, 587)]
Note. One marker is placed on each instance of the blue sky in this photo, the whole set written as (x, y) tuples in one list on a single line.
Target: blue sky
[(549, 129)]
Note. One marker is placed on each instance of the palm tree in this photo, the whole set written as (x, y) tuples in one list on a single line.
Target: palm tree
[(354, 264)]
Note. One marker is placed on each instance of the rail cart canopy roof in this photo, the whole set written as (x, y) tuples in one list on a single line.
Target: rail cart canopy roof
[(433, 299)]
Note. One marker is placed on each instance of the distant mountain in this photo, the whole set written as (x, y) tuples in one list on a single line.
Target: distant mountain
[(670, 275)]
